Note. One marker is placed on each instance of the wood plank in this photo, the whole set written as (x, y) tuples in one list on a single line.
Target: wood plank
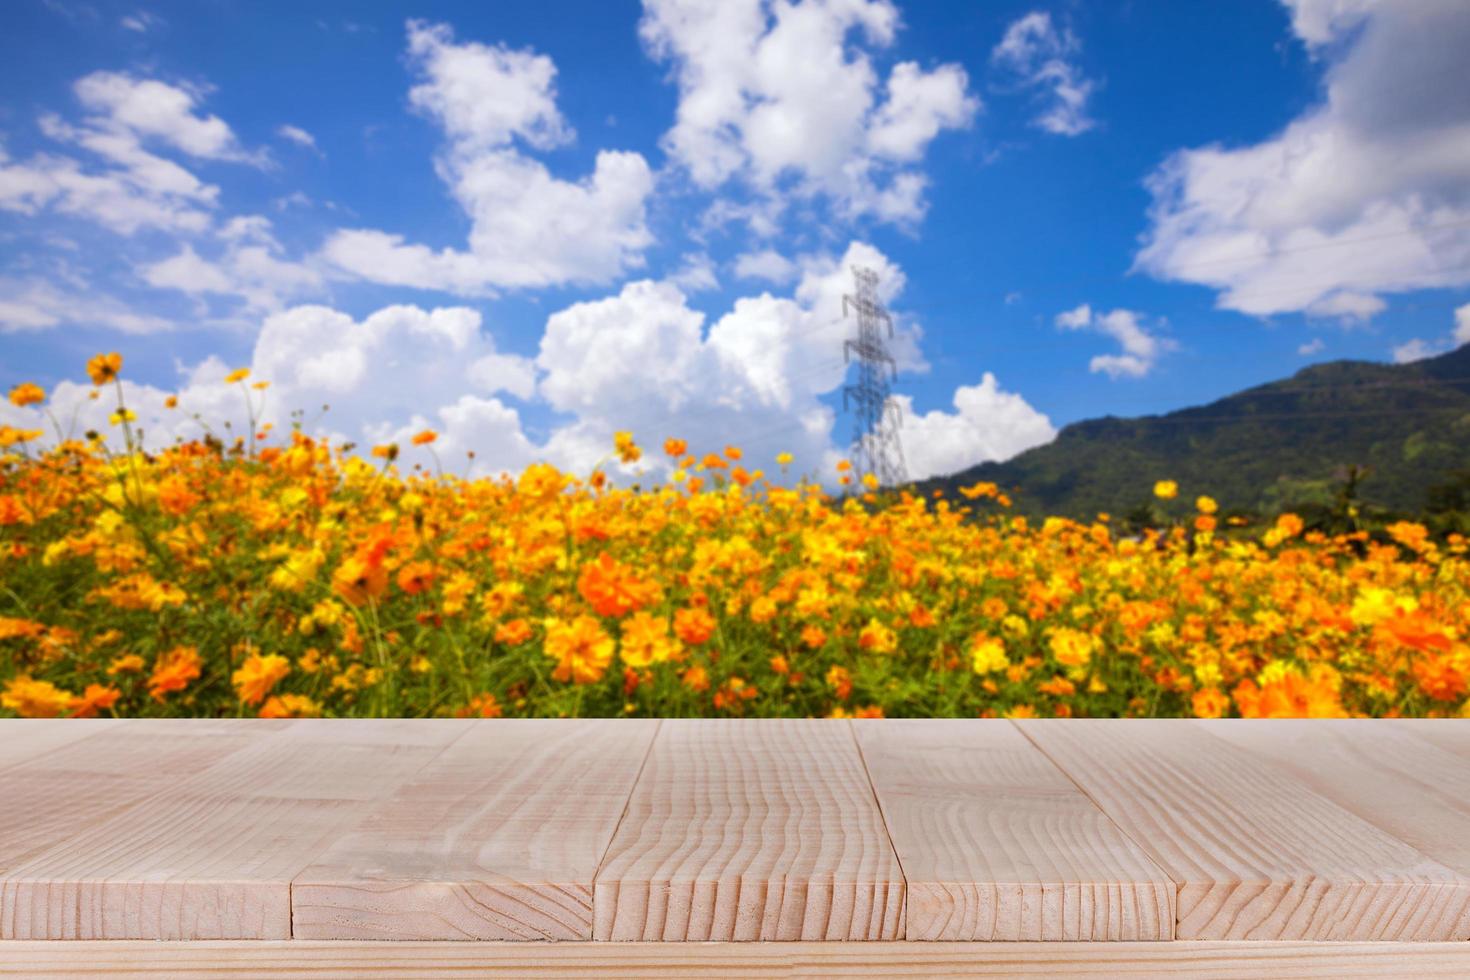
[(315, 960), (498, 838), (1449, 734), (1418, 793), (23, 739), (1257, 854), (212, 856), (750, 831), (76, 784), (997, 844)]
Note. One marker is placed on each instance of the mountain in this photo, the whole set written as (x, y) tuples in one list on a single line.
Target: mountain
[(1278, 446)]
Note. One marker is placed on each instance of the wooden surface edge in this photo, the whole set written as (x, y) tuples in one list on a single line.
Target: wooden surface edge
[(325, 958)]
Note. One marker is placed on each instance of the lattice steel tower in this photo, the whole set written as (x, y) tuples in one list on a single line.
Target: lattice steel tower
[(876, 418)]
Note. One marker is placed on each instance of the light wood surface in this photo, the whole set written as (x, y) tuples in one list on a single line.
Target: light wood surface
[(1256, 853), (212, 856), (497, 838), (1418, 793), (765, 831), (22, 740), (314, 960), (1074, 836), (72, 784), (997, 843)]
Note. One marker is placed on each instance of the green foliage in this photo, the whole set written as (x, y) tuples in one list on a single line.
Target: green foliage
[(1401, 430)]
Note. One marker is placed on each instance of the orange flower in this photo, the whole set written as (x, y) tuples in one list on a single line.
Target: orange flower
[(26, 393), (513, 633), (417, 577), (95, 698), (626, 448), (694, 626), (425, 437), (1210, 702), (173, 670), (290, 706), (646, 641), (581, 648), (480, 706), (104, 368), (35, 699), (257, 675), (675, 447), (612, 589), (239, 374), (696, 678), (840, 680)]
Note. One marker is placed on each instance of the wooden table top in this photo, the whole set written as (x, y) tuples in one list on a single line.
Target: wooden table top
[(632, 830)]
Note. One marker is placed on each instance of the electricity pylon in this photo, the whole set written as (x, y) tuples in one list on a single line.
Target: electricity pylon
[(876, 417)]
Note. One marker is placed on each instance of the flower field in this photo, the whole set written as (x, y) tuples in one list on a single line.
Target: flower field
[(281, 576)]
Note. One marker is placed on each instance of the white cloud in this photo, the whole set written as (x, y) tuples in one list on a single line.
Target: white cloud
[(1141, 349), (39, 305), (988, 423), (528, 228), (1364, 194), (146, 107), (696, 273), (140, 22), (249, 266), (1038, 56), (1314, 346), (766, 264), (779, 96), (1418, 349), (296, 135)]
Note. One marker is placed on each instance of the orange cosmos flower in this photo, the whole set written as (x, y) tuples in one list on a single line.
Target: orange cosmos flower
[(694, 626), (257, 675), (27, 394), (581, 648), (239, 374), (290, 706), (612, 589), (173, 670), (425, 437), (104, 368), (675, 447), (416, 577)]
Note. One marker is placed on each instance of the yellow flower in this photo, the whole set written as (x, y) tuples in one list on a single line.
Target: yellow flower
[(627, 449), (784, 459), (290, 706), (27, 394), (1166, 489), (1206, 505), (1071, 647), (121, 415), (646, 641), (35, 699), (239, 374), (987, 655)]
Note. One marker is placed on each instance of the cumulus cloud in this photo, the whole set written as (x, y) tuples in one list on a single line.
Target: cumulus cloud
[(1038, 56), (528, 228), (767, 264), (137, 188), (1141, 349), (250, 266), (987, 424), (1313, 346), (784, 98), (1366, 193)]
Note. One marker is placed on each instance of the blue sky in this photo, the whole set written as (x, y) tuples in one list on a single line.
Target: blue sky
[(529, 225)]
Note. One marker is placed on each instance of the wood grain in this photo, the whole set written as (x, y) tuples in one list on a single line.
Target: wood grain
[(24, 739), (1257, 854), (212, 856), (997, 844), (101, 771), (312, 960), (1418, 793), (498, 838), (750, 831), (1450, 734)]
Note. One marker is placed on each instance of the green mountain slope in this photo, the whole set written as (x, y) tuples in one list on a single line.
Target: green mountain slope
[(1278, 446)]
